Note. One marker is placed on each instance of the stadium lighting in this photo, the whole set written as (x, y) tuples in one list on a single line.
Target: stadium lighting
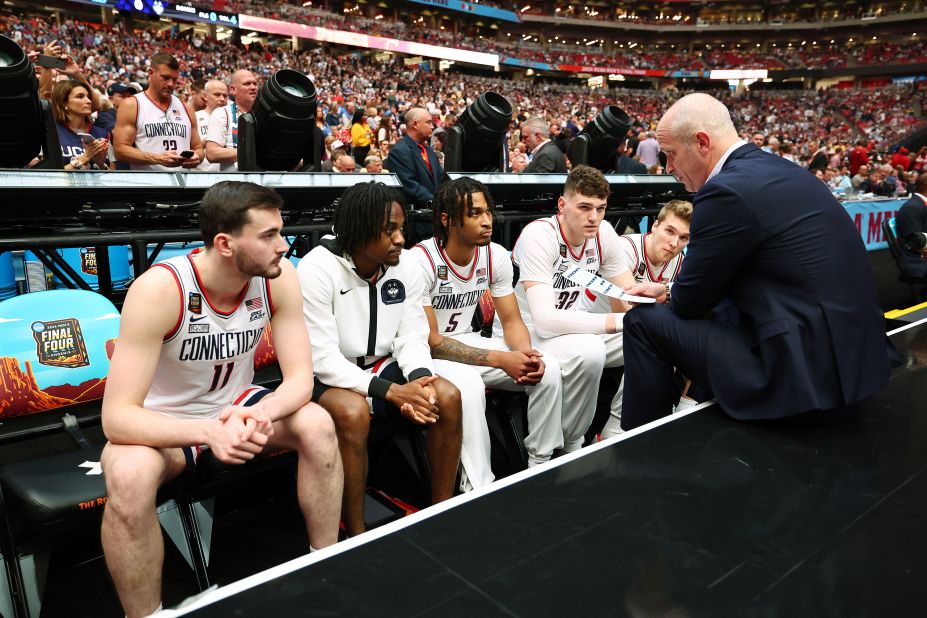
[(598, 141), (477, 142), (278, 132), (28, 122)]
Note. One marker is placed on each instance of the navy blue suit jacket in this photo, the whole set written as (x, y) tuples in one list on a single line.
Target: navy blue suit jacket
[(770, 237), (912, 219), (418, 184)]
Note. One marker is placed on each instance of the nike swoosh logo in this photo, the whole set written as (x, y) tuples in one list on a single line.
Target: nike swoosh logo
[(343, 292), (202, 317)]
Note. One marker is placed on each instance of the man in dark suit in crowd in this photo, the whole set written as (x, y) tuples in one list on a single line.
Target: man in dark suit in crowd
[(771, 238), (912, 219), (625, 164), (559, 136), (414, 161), (546, 157)]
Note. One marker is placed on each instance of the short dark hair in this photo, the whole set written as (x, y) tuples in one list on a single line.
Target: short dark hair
[(360, 214), (224, 208), (166, 59), (455, 198), (198, 85), (587, 181)]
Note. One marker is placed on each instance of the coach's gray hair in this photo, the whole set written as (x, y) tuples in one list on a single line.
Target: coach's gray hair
[(701, 112)]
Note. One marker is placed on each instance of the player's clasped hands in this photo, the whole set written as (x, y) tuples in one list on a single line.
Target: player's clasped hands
[(241, 434), (417, 400), (525, 368)]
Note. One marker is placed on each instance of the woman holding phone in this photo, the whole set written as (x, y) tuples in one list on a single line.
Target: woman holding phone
[(83, 146)]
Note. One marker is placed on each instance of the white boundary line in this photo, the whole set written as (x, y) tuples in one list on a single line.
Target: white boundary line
[(257, 579), (211, 596), (906, 327)]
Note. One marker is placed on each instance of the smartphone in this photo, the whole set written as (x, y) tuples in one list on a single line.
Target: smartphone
[(50, 62), (186, 154), (86, 138)]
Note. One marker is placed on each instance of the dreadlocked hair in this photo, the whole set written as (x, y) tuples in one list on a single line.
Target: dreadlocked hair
[(360, 214), (455, 199)]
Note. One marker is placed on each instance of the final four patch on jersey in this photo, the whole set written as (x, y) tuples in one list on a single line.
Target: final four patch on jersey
[(562, 250), (393, 292), (640, 269), (195, 303), (442, 272)]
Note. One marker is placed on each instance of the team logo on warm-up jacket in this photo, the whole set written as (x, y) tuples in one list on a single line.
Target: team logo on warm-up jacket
[(393, 292)]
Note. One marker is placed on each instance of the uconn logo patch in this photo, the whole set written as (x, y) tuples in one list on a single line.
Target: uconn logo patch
[(392, 292)]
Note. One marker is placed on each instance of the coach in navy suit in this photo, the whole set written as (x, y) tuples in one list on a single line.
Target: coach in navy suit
[(771, 239), (413, 160)]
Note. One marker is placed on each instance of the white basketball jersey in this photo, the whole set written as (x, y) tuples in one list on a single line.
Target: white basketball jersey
[(202, 125), (547, 233), (634, 248), (208, 357), (158, 129), (454, 291)]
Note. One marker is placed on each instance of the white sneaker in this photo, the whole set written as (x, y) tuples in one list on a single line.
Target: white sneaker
[(684, 404)]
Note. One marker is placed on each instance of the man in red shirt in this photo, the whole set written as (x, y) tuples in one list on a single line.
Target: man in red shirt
[(858, 156)]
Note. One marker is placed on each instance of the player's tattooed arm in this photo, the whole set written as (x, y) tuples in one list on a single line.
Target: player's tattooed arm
[(453, 350)]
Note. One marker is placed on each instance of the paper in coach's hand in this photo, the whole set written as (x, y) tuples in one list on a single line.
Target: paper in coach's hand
[(598, 285)]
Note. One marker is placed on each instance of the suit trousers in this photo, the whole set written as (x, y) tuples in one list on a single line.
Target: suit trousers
[(656, 342)]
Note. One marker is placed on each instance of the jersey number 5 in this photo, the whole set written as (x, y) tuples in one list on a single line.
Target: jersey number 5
[(452, 323), (217, 373)]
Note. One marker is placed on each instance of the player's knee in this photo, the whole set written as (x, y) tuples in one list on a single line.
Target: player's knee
[(448, 402), (132, 475), (351, 416), (315, 428), (635, 320)]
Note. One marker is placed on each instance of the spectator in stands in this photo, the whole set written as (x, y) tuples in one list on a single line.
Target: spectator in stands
[(625, 164), (876, 184), (320, 122), (912, 219), (164, 400), (385, 128), (901, 159), (217, 96), (373, 164), (559, 137), (785, 151), (71, 106), (919, 161), (362, 275), (858, 156), (222, 133), (153, 128), (117, 92), (648, 150), (862, 174), (772, 145), (344, 164), (197, 98), (839, 183), (337, 149), (759, 140), (361, 136), (414, 162), (545, 157), (817, 157)]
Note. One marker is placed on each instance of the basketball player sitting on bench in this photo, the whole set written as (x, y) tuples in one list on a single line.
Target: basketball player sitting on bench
[(180, 381), (362, 298), (655, 257)]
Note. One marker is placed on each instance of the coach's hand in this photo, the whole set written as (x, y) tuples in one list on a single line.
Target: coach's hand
[(517, 365), (192, 161), (648, 289), (417, 400)]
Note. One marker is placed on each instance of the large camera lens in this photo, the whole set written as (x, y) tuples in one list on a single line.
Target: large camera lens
[(915, 242)]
